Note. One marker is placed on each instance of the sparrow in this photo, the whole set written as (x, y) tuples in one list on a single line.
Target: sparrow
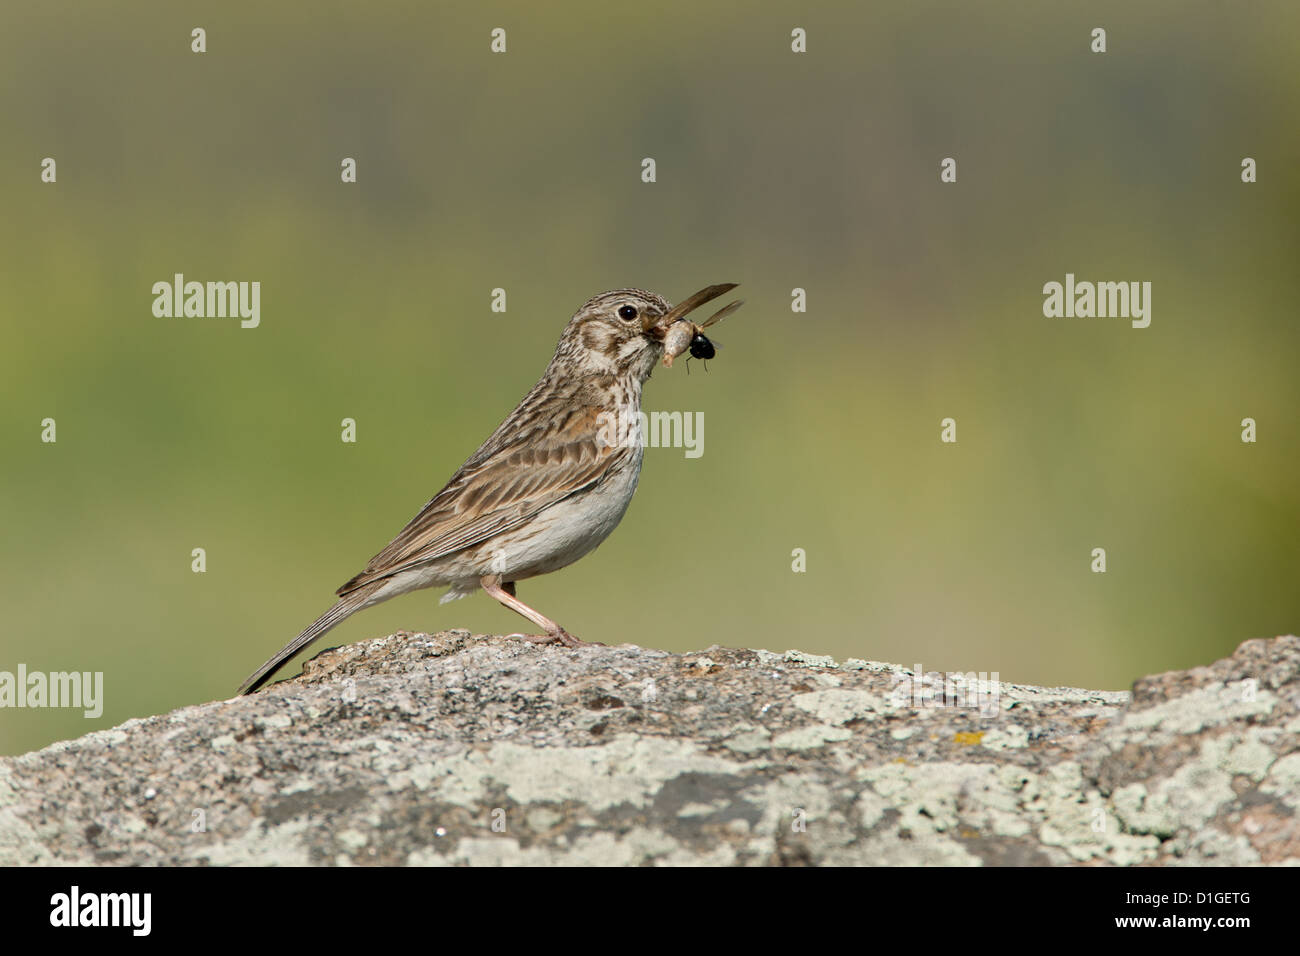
[(547, 487)]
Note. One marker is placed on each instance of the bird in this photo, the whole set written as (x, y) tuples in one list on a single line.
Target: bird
[(545, 489)]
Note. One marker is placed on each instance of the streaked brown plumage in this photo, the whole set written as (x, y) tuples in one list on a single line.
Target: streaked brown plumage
[(544, 489)]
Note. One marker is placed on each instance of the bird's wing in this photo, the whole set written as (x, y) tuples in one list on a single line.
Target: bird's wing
[(495, 491)]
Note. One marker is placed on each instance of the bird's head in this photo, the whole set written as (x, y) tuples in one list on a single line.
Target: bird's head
[(622, 332)]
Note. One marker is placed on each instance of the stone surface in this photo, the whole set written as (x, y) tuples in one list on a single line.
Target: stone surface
[(458, 749)]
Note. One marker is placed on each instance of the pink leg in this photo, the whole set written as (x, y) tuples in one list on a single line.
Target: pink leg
[(506, 595)]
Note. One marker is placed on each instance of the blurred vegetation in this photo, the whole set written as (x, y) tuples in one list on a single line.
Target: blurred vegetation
[(774, 170)]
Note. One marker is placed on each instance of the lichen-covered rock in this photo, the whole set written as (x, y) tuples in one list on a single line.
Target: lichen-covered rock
[(460, 749)]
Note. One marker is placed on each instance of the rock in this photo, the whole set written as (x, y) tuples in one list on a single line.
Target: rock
[(455, 748)]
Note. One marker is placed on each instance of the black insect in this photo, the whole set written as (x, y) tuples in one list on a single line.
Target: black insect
[(701, 347)]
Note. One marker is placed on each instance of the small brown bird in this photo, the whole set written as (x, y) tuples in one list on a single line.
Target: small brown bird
[(548, 485)]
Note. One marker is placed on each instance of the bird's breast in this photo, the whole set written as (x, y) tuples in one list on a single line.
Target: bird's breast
[(569, 529)]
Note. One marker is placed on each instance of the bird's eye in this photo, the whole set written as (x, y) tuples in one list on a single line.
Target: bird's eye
[(627, 312)]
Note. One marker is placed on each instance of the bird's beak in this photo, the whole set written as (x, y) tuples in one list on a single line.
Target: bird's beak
[(658, 327)]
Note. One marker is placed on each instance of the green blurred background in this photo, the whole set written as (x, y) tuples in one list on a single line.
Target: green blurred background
[(775, 170)]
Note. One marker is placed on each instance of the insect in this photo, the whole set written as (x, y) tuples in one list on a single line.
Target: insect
[(684, 334), (701, 347)]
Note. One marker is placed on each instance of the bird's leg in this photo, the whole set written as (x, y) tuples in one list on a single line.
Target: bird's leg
[(505, 593)]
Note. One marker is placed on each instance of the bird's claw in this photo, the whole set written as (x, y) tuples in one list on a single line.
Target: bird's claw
[(561, 637)]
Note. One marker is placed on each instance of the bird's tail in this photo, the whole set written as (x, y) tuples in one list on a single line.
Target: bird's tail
[(346, 607)]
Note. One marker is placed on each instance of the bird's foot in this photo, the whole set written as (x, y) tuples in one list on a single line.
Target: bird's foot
[(561, 636), (533, 638)]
